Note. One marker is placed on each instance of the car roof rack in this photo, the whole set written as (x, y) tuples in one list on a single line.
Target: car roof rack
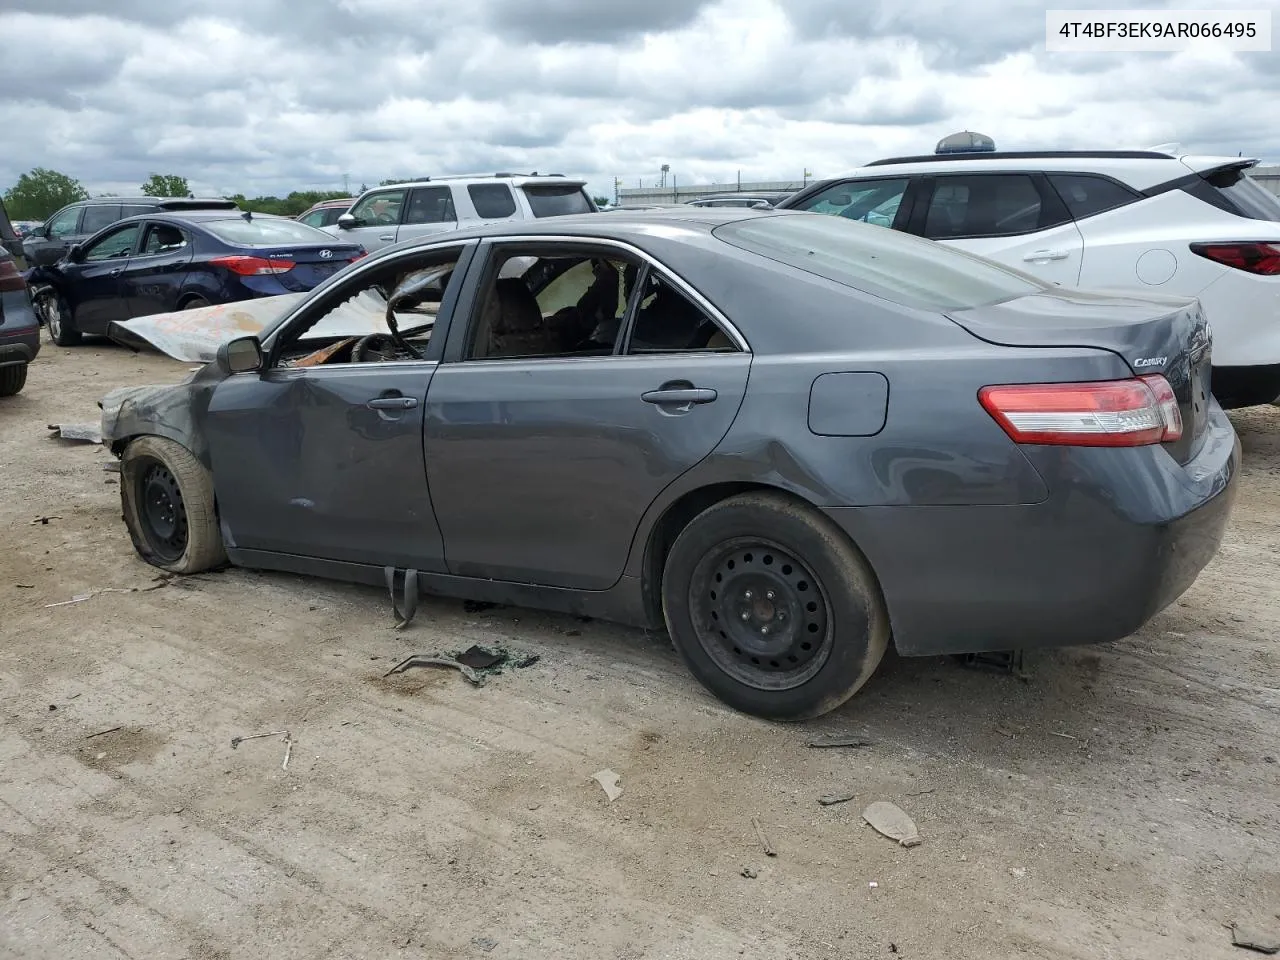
[(480, 176), (1026, 155)]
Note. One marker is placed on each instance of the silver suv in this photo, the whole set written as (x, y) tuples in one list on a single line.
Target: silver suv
[(387, 215)]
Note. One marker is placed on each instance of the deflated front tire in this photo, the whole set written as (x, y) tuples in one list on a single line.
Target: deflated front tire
[(167, 497)]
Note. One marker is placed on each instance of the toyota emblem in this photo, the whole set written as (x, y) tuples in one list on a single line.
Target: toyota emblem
[(326, 254)]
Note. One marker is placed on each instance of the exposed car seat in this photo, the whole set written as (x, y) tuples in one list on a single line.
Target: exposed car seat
[(511, 324)]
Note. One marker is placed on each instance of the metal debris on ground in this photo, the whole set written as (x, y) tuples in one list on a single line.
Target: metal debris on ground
[(1256, 940), (610, 782), (79, 432), (763, 838), (853, 742), (81, 598), (288, 743), (43, 521), (102, 733), (478, 658), (419, 660), (831, 799), (528, 661), (892, 822)]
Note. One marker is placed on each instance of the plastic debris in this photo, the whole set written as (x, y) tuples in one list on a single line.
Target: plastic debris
[(478, 658), (418, 660), (79, 432), (852, 742), (1257, 940), (831, 799), (892, 822), (611, 782)]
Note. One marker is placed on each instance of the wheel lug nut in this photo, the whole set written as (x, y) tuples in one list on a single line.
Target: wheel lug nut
[(769, 595), (745, 615), (747, 595), (764, 629)]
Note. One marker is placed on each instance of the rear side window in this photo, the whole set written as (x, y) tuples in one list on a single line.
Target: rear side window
[(431, 205), (135, 209), (1086, 195), (884, 263), (871, 201), (493, 201), (99, 215), (265, 233), (992, 205), (555, 200), (1235, 191)]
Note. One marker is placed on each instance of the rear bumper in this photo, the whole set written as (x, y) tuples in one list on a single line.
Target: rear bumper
[(19, 329), (1123, 535)]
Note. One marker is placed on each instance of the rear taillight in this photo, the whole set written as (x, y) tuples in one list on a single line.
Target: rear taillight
[(1107, 413), (252, 266), (10, 277), (358, 256), (1249, 256)]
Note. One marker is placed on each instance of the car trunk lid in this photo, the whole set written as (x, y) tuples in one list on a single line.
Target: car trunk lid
[(312, 263), (1164, 335)]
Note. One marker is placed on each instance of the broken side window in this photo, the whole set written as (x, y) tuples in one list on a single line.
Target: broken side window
[(667, 321)]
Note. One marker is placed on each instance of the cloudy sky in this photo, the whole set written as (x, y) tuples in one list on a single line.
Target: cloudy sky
[(265, 96)]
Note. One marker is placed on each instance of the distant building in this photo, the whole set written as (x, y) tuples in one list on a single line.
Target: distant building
[(686, 192), (1268, 177)]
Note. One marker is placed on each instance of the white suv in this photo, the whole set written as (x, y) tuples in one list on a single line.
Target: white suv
[(395, 212), (1122, 220)]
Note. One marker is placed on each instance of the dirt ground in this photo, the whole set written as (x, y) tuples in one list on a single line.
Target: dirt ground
[(1120, 801)]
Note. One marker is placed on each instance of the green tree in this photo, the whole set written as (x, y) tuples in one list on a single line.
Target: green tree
[(601, 201), (166, 185), (40, 193)]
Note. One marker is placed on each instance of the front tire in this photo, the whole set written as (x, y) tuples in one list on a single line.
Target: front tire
[(12, 379), (167, 496), (195, 303), (772, 608), (58, 320)]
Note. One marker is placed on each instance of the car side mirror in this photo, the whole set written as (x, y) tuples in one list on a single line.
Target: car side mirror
[(241, 355), (762, 205), (347, 221), (76, 253)]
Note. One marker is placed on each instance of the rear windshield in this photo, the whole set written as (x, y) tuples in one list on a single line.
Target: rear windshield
[(265, 233), (1246, 196), (884, 263), (557, 201)]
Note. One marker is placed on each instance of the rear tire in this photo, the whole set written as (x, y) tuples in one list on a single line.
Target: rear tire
[(167, 496), (195, 303), (772, 608), (12, 380), (58, 320)]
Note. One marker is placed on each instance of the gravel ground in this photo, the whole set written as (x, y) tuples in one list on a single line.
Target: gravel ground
[(1118, 801)]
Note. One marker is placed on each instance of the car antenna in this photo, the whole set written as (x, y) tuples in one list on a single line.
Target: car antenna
[(248, 214)]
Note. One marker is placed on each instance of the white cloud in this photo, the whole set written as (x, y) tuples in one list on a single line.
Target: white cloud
[(264, 96)]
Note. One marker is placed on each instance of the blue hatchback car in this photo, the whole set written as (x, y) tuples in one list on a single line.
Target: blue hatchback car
[(162, 262)]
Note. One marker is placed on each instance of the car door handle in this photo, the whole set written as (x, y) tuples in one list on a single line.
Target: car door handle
[(679, 395), (392, 403), (387, 236), (1046, 255), (116, 272)]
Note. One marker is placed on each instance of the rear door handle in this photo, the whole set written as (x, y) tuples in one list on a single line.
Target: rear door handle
[(387, 236), (1046, 255), (116, 272), (392, 403), (680, 395)]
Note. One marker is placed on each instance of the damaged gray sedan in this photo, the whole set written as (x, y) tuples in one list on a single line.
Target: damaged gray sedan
[(786, 437)]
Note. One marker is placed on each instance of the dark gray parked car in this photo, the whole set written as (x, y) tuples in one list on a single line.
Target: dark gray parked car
[(787, 437), (77, 222), (19, 329)]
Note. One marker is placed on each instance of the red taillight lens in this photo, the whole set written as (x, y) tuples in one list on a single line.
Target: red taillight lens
[(359, 256), (1249, 256), (1107, 413), (10, 277), (252, 266)]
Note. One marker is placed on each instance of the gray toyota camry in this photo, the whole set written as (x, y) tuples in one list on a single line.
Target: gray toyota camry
[(788, 438)]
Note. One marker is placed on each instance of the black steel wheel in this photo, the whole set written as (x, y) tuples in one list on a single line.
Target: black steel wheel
[(772, 607), (163, 515), (167, 497), (761, 614)]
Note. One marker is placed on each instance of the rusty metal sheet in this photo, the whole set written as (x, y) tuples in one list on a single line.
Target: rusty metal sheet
[(193, 336)]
